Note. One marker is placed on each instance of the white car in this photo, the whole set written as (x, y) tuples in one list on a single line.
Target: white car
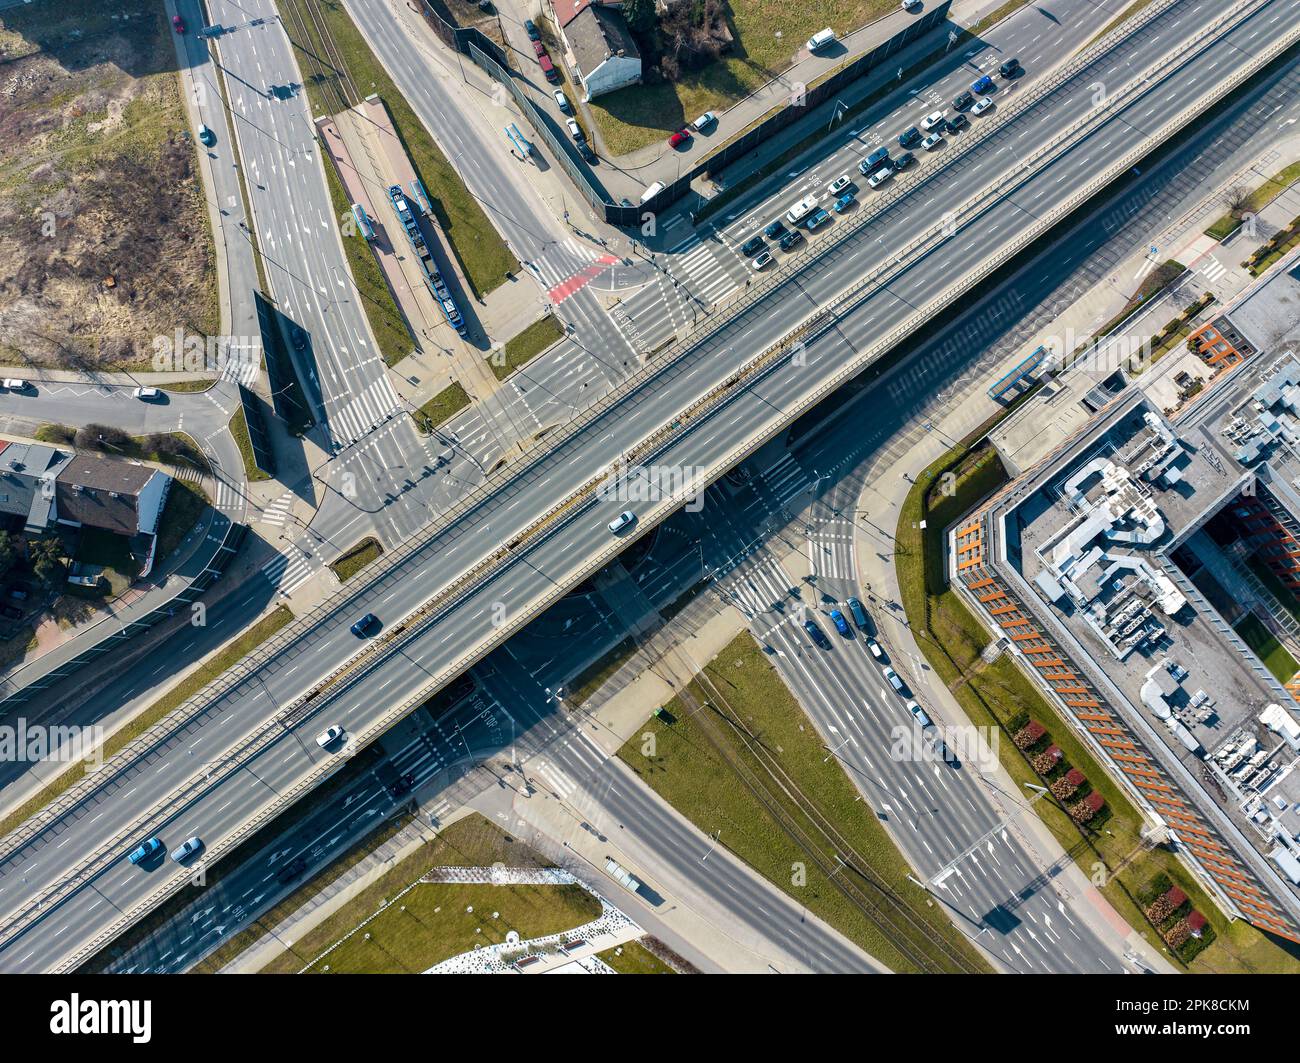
[(13, 384), (329, 736), (934, 118), (704, 121), (910, 5), (186, 849), (932, 141), (761, 261), (562, 102), (621, 521), (147, 394), (874, 647), (575, 130), (891, 677), (983, 107), (880, 176), (919, 714), (838, 185)]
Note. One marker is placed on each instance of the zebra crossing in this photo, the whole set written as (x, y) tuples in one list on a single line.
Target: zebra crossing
[(707, 272), (579, 753), (830, 548), (569, 266), (1211, 268), (242, 362), (364, 412), (278, 511), (784, 480), (286, 574)]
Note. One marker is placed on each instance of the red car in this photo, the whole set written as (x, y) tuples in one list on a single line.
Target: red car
[(548, 68), (679, 138), (178, 23), (539, 49)]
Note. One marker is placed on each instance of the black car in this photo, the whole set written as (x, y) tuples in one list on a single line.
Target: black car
[(1011, 68), (963, 101), (957, 123), (775, 230), (298, 338), (365, 627), (584, 149), (904, 161), (817, 634), (911, 138), (791, 238), (752, 246), (533, 33)]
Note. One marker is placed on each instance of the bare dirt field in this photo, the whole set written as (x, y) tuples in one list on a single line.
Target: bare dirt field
[(104, 237)]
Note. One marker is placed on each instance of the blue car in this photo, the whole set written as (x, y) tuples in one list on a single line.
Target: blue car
[(774, 230), (817, 219), (844, 202), (984, 84), (817, 634), (142, 853), (366, 626), (859, 614), (841, 625)]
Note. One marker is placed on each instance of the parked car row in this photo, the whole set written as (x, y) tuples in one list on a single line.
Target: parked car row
[(879, 166)]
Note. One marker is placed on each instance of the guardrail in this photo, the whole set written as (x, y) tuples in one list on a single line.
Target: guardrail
[(721, 394)]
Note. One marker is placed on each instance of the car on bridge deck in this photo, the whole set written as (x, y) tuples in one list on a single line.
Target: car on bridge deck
[(367, 626), (187, 849), (624, 520), (145, 851)]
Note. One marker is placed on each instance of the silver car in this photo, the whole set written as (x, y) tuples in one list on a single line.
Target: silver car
[(187, 849)]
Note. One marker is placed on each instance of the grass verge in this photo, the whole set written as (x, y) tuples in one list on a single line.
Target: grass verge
[(200, 677), (239, 429), (525, 346), (353, 561), (447, 403), (422, 936), (680, 761), (185, 505), (632, 957)]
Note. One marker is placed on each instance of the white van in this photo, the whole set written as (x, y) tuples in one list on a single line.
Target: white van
[(652, 191), (801, 210), (821, 39)]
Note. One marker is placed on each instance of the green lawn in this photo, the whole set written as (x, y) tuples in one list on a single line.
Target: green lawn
[(187, 385), (354, 560), (447, 403), (686, 768), (632, 957), (239, 429), (201, 677), (419, 937), (768, 38), (951, 639), (482, 253), (185, 504), (1275, 656), (1259, 198), (525, 346)]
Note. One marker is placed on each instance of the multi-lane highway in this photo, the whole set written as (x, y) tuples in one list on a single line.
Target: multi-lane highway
[(537, 574), (546, 653)]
